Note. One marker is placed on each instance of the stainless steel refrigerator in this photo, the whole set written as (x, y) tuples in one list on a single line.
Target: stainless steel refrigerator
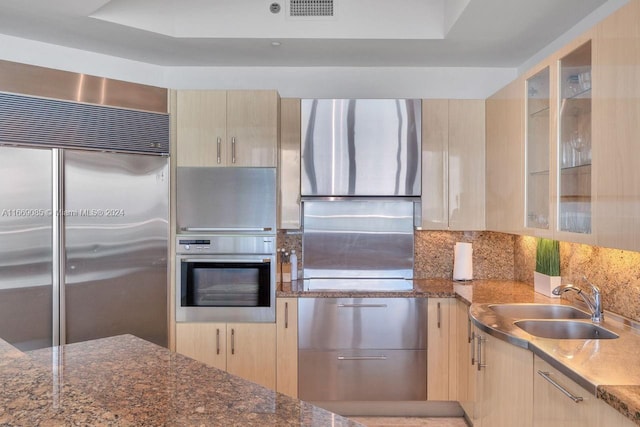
[(83, 245)]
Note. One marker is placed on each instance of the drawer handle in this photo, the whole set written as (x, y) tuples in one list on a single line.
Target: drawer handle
[(362, 357), (233, 149), (233, 341), (286, 315), (439, 316), (219, 142), (481, 364), (217, 341), (547, 376), (361, 305)]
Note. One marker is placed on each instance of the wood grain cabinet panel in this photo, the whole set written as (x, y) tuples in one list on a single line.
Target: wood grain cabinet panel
[(227, 128), (453, 164), (438, 337), (287, 346), (505, 159), (616, 128), (244, 349), (289, 164)]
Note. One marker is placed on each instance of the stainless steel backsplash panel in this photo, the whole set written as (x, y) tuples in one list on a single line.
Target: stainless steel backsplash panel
[(358, 239), (363, 147)]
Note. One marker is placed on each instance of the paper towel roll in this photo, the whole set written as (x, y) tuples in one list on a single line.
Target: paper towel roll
[(462, 261)]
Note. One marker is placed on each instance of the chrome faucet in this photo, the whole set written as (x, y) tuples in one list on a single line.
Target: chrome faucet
[(593, 301)]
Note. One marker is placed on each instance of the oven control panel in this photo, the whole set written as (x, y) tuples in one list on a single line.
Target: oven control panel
[(225, 244)]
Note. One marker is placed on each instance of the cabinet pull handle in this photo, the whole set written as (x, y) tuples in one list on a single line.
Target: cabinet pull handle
[(439, 316), (547, 376), (473, 348), (362, 305), (362, 357), (286, 315), (233, 341), (217, 341), (468, 329), (480, 364), (219, 144), (233, 149)]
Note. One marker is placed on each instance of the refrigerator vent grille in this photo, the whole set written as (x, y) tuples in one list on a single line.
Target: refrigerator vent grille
[(300, 8), (54, 123)]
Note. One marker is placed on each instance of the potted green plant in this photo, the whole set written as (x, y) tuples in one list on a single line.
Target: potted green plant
[(547, 274)]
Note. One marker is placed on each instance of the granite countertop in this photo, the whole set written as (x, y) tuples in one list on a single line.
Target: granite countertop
[(126, 381), (434, 288), (622, 393), (607, 368)]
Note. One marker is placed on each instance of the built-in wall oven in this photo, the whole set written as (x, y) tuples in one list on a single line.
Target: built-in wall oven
[(225, 278)]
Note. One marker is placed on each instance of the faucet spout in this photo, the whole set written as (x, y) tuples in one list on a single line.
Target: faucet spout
[(593, 301)]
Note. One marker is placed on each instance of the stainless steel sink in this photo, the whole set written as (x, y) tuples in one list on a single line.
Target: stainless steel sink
[(539, 311), (565, 329)]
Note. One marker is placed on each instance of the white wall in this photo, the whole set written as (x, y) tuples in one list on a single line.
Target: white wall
[(78, 61), (347, 82), (302, 82)]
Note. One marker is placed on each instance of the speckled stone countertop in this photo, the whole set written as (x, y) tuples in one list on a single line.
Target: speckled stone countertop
[(434, 288), (606, 367), (624, 397), (126, 381)]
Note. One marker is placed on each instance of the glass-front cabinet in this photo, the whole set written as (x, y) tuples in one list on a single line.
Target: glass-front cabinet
[(537, 150), (574, 142)]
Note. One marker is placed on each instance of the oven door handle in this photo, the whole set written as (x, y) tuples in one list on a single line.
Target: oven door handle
[(231, 260), (225, 230)]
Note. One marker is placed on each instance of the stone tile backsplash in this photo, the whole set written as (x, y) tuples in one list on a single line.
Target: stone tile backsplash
[(615, 271), (492, 254), (501, 256)]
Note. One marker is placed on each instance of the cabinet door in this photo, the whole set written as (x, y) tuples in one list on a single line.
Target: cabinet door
[(539, 218), (251, 352), (574, 146), (252, 128), (203, 341), (508, 377), (466, 164), (287, 346), (435, 176), (438, 346), (201, 120), (461, 352), (616, 128), (504, 159), (553, 408), (289, 164)]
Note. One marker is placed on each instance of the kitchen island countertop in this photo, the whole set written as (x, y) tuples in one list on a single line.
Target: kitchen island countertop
[(126, 381)]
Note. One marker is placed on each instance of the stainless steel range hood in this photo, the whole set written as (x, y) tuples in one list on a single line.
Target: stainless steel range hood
[(361, 147)]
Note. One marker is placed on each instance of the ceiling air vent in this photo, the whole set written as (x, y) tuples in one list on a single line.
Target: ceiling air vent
[(311, 8)]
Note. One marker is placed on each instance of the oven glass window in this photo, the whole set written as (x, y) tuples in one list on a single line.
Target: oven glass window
[(220, 284)]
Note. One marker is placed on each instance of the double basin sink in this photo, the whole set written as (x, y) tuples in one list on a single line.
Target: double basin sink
[(553, 321)]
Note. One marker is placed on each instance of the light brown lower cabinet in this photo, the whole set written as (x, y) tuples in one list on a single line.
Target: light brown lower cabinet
[(566, 404), (498, 391), (287, 346), (247, 350), (438, 337)]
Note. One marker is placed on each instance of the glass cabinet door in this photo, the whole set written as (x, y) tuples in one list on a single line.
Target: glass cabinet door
[(537, 150), (574, 142)]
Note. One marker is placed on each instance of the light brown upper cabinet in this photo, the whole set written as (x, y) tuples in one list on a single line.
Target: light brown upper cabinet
[(616, 129), (453, 162), (538, 149), (227, 128), (574, 152), (289, 170), (504, 159)]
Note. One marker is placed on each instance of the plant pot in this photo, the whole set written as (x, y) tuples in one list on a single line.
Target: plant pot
[(544, 284)]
